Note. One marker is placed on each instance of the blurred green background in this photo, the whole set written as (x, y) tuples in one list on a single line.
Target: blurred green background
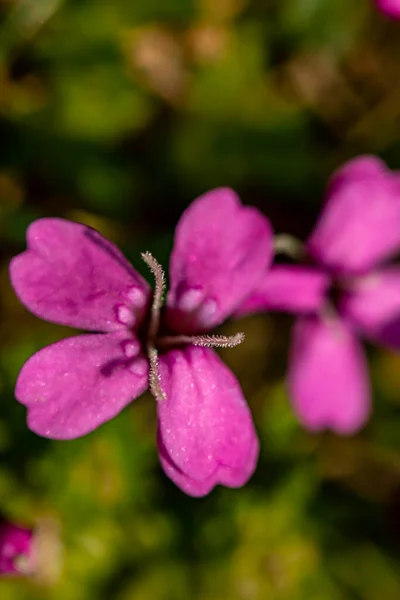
[(118, 114)]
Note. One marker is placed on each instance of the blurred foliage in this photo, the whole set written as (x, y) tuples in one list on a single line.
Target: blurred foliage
[(118, 114)]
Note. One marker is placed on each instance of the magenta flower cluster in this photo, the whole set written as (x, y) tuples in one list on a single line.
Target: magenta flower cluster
[(346, 290), (340, 288)]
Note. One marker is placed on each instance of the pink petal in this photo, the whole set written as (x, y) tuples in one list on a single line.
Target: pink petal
[(372, 303), (221, 251), (75, 385), (391, 8), (328, 376), (360, 223), (196, 488), (72, 275), (206, 432), (288, 288)]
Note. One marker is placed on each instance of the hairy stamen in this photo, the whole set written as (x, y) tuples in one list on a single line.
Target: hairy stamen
[(154, 375), (206, 341), (154, 342), (154, 371), (159, 290)]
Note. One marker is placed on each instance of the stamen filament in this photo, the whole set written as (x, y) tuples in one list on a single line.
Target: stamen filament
[(206, 341), (159, 290), (154, 343), (154, 375)]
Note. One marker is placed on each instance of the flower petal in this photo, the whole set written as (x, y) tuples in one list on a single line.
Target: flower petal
[(372, 303), (288, 288), (75, 385), (196, 488), (391, 8), (360, 223), (72, 275), (206, 431), (328, 376), (221, 251)]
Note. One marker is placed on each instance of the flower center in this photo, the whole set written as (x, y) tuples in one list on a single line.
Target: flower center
[(294, 251), (155, 342)]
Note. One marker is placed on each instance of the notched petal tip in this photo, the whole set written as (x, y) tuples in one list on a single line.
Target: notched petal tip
[(70, 274), (222, 475), (206, 433)]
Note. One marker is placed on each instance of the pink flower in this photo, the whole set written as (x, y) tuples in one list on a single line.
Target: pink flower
[(72, 275), (32, 553), (349, 292), (16, 549), (390, 7)]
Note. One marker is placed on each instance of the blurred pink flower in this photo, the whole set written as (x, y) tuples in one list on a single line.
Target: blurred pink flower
[(16, 549), (351, 292), (72, 275), (389, 7)]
